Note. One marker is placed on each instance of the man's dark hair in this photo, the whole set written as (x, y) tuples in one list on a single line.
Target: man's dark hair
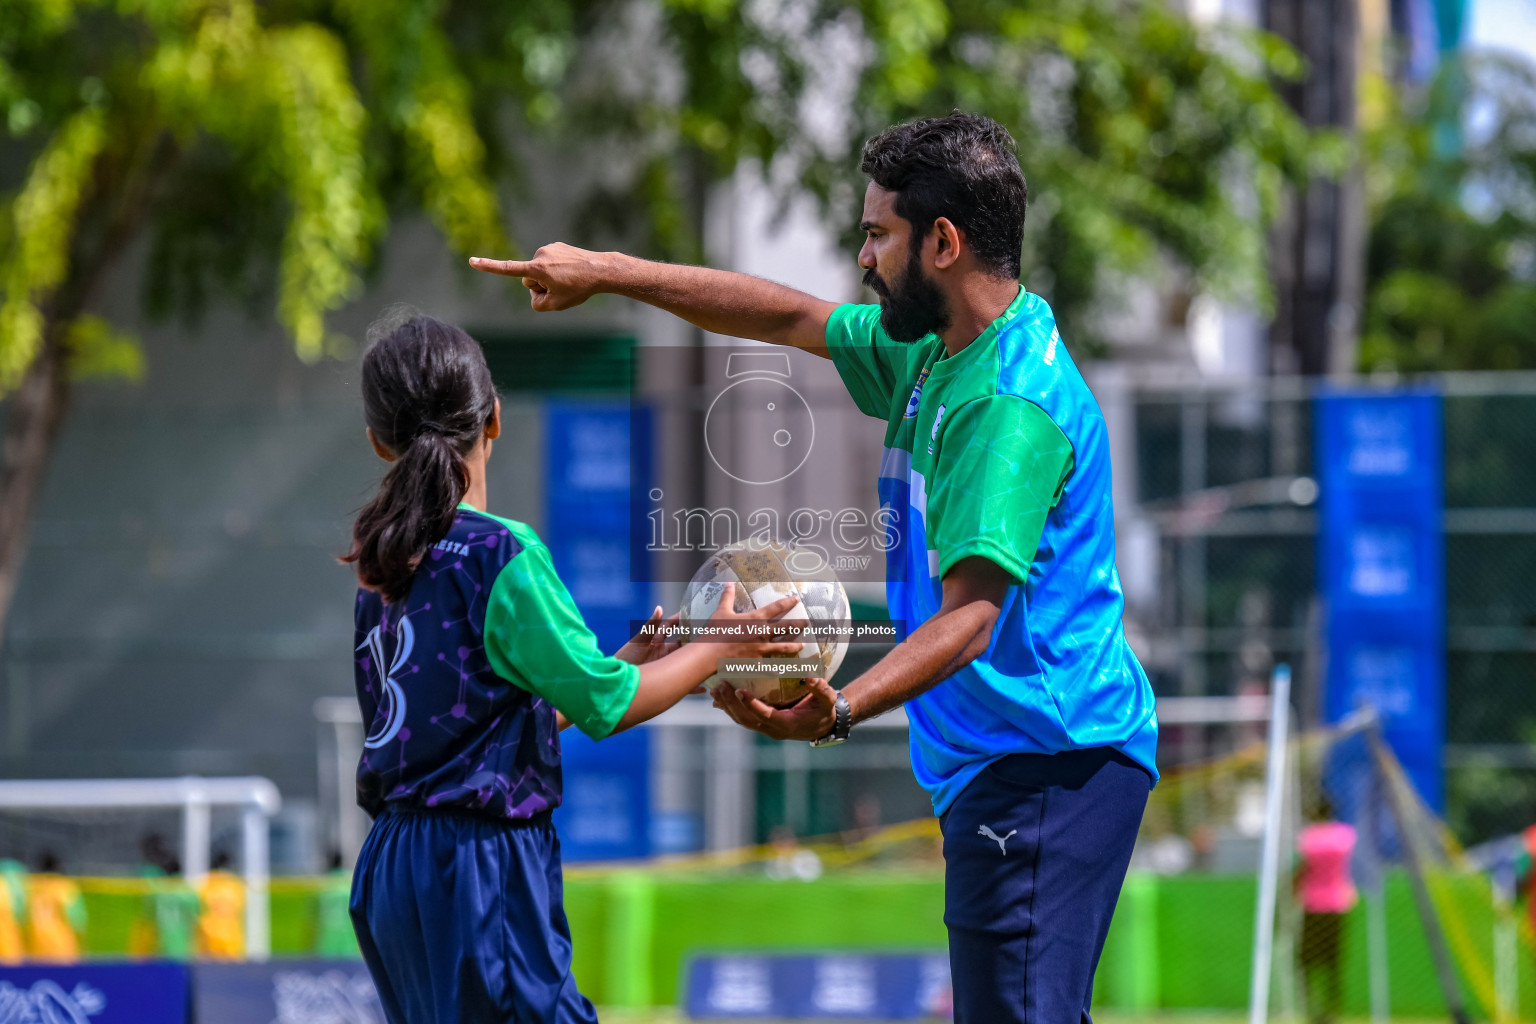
[(961, 166)]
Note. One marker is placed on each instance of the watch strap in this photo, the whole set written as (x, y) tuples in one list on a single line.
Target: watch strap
[(842, 723)]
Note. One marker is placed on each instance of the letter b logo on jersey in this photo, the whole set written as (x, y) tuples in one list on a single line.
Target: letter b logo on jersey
[(391, 696)]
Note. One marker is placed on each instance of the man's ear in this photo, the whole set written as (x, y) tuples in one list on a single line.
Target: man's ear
[(379, 449), (948, 249), (493, 428)]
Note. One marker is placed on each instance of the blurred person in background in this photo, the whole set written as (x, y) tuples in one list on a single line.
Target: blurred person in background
[(1032, 723), (56, 917), (1525, 871), (13, 910), (866, 820), (334, 937), (1326, 894), (221, 923), (167, 922), (790, 859)]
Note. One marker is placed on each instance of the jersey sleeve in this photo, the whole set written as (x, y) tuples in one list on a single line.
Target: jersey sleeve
[(1002, 468), (535, 637), (867, 360)]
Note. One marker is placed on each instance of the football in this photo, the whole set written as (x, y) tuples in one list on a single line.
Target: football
[(764, 571)]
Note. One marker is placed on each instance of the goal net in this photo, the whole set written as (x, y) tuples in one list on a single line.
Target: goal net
[(1381, 914), (149, 844)]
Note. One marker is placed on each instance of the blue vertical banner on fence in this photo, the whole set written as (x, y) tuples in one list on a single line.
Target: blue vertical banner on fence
[(1381, 546), (597, 464)]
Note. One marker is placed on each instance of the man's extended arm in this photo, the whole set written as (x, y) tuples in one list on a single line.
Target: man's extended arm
[(561, 276), (974, 589)]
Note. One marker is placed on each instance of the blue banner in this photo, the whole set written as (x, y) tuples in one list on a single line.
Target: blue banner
[(832, 986), (285, 992), (596, 462), (1381, 546), (140, 993), (597, 465)]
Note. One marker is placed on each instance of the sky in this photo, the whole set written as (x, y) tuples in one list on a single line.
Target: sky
[(1504, 24)]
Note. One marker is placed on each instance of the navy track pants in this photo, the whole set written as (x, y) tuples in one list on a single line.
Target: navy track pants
[(462, 919), (1035, 852)]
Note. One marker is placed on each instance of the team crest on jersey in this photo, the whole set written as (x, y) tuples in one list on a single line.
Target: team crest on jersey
[(917, 394), (933, 437)]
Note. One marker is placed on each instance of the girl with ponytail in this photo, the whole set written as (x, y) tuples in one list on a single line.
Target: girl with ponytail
[(470, 657)]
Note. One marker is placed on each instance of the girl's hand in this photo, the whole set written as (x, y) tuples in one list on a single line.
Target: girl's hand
[(665, 681), (737, 641), (655, 639)]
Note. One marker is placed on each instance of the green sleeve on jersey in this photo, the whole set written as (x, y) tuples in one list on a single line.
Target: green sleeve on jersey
[(868, 361), (1001, 470), (535, 637)]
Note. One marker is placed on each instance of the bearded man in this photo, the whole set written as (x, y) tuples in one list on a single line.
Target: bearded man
[(1032, 723)]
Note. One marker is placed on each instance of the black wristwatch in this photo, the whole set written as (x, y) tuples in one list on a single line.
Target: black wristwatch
[(842, 723)]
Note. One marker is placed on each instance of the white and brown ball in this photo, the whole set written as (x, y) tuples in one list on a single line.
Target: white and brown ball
[(764, 571)]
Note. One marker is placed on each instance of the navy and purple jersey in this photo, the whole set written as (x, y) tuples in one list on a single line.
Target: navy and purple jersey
[(460, 680)]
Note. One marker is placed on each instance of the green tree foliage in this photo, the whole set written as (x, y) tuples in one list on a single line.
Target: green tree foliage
[(1451, 258), (1150, 143), (244, 136), (204, 123), (260, 148), (256, 147)]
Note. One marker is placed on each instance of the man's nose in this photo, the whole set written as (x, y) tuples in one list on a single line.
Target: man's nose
[(867, 256)]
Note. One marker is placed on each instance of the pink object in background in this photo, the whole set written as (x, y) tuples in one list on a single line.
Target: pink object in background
[(1325, 886)]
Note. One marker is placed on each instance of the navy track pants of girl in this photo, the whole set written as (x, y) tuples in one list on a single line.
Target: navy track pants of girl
[(462, 919)]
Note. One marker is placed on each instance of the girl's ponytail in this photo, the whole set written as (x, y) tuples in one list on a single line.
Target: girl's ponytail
[(427, 397)]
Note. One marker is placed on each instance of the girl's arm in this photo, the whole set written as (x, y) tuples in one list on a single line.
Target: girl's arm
[(535, 637), (653, 642), (669, 679)]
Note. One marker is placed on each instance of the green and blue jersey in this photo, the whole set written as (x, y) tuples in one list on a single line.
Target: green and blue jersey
[(459, 681), (1000, 451)]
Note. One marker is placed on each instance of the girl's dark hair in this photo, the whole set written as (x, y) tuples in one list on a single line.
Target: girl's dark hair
[(427, 397)]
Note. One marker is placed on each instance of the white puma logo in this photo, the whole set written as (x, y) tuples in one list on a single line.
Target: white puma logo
[(999, 840)]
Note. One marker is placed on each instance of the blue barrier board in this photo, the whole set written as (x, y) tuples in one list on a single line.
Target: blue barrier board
[(104, 993), (832, 986), (285, 992)]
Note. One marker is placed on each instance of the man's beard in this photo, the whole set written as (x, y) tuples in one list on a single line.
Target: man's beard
[(915, 307)]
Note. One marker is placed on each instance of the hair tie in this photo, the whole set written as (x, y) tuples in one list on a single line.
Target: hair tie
[(429, 427)]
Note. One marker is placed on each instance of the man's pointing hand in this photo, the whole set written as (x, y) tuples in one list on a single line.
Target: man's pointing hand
[(558, 277)]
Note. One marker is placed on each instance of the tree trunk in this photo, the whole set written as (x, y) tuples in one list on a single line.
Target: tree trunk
[(35, 412), (1317, 251)]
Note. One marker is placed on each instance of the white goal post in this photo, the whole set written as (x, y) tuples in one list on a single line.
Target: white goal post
[(256, 798)]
